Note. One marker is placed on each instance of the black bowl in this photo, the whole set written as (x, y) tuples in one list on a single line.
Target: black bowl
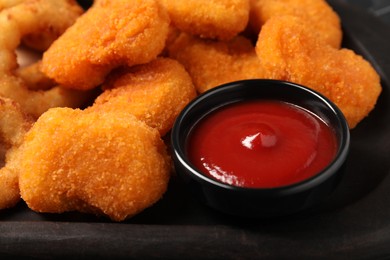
[(259, 202)]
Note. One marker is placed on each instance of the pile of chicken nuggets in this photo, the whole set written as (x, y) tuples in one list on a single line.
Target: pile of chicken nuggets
[(89, 117)]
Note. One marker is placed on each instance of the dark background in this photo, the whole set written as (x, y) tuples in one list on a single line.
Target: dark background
[(380, 8)]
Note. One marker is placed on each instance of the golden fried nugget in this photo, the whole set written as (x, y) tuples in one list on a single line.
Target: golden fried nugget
[(212, 63), (13, 126), (216, 19), (290, 50), (173, 33), (106, 163), (108, 35), (155, 92), (319, 15)]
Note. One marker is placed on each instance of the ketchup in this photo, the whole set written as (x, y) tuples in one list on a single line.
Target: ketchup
[(261, 144)]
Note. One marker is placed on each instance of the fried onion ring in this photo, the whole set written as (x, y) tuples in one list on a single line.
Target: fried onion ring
[(13, 126), (34, 78), (15, 22), (42, 38)]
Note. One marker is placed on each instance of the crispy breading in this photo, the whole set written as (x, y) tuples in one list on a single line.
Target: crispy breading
[(290, 50), (216, 19), (155, 92), (108, 35), (318, 13), (106, 163), (211, 63)]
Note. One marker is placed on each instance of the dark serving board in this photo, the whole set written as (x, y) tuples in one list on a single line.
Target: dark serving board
[(354, 222)]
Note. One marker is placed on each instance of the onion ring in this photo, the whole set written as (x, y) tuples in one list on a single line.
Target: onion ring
[(41, 39), (13, 126), (15, 22), (34, 78)]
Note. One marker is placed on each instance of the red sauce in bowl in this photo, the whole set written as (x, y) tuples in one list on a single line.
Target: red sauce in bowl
[(261, 144)]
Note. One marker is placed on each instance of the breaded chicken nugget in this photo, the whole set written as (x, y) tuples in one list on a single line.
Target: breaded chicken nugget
[(211, 63), (103, 163), (28, 17), (13, 126), (108, 35), (155, 92), (290, 50), (173, 33), (215, 19), (319, 15)]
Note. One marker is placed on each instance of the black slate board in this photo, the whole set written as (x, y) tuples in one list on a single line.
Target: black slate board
[(354, 222)]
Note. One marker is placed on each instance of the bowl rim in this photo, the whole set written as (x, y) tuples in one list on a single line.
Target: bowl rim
[(179, 154)]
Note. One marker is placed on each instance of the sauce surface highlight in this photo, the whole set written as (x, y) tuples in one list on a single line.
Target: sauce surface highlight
[(261, 144)]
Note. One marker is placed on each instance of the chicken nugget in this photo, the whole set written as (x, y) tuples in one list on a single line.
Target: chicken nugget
[(216, 19), (211, 63), (106, 36), (290, 50), (155, 92), (106, 163), (320, 16)]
